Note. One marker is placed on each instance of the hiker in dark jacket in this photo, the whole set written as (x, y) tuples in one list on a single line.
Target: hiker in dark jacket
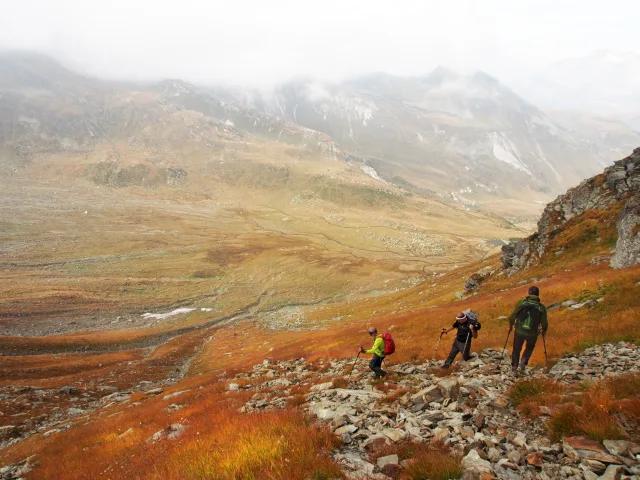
[(462, 343), (378, 352), (530, 320)]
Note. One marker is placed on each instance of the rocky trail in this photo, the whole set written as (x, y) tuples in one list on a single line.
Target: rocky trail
[(468, 410)]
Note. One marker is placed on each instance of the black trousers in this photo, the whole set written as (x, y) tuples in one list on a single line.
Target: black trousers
[(458, 347), (518, 342), (375, 364)]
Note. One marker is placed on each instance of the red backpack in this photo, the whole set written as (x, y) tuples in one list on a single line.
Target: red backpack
[(389, 344)]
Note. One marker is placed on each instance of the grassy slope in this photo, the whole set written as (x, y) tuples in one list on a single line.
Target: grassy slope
[(216, 432)]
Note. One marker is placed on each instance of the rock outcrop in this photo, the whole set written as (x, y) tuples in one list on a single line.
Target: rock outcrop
[(618, 183), (628, 245)]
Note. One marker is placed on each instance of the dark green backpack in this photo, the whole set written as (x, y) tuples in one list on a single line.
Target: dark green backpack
[(529, 316)]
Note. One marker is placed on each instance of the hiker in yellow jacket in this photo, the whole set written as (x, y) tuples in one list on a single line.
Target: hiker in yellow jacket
[(378, 352)]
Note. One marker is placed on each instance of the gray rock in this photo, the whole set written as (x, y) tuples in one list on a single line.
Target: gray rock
[(233, 387), (394, 434), (616, 447), (515, 457), (569, 303), (69, 390), (449, 388), (520, 439), (594, 465), (346, 429), (613, 472), (107, 388), (321, 387), (346, 438), (389, 459), (153, 391), (427, 395), (628, 244), (494, 454), (472, 461)]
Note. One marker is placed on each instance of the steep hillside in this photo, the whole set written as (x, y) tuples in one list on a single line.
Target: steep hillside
[(601, 213)]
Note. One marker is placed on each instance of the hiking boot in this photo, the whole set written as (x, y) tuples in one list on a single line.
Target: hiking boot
[(514, 370), (445, 366), (522, 368)]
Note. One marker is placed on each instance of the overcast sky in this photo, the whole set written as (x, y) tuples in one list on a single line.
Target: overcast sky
[(265, 41)]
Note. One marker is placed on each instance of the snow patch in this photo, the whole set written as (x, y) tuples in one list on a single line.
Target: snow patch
[(372, 173), (506, 152), (543, 157), (464, 201), (173, 313), (229, 123)]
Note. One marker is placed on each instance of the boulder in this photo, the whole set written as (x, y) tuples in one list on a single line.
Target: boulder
[(472, 461), (473, 282), (628, 244)]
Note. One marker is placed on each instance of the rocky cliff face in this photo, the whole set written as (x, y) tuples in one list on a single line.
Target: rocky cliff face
[(619, 183)]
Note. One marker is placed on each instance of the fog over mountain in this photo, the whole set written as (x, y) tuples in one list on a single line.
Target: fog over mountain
[(265, 43), (605, 83), (467, 102)]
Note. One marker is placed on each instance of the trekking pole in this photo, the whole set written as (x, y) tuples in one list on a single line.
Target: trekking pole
[(437, 345), (546, 358), (466, 343), (505, 343), (354, 365)]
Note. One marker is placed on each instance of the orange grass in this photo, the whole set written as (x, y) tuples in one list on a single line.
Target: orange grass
[(426, 461), (218, 443), (530, 394), (596, 411)]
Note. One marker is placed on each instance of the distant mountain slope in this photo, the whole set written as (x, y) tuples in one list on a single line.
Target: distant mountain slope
[(466, 139), (466, 135)]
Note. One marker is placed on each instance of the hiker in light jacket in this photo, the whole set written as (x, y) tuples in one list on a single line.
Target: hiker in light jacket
[(530, 320), (378, 352)]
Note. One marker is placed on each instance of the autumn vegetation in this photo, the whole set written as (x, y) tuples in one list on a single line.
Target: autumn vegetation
[(600, 410), (221, 443)]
